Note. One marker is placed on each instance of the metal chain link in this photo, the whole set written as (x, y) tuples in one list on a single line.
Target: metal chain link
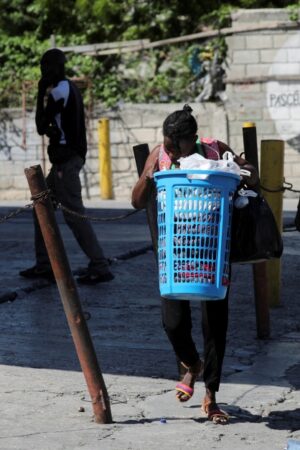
[(95, 219), (41, 196)]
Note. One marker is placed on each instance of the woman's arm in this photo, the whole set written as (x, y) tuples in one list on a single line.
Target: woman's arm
[(251, 181), (141, 190)]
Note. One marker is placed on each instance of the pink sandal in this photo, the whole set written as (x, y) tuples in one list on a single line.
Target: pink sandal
[(184, 391)]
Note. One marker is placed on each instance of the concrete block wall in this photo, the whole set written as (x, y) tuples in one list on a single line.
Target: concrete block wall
[(130, 125), (135, 124), (20, 147), (263, 84)]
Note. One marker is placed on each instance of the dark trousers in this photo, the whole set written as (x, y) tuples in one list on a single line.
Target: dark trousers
[(177, 322), (64, 182)]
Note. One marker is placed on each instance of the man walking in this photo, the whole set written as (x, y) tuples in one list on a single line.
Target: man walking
[(62, 120)]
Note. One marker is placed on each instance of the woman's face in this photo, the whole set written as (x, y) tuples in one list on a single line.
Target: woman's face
[(181, 148)]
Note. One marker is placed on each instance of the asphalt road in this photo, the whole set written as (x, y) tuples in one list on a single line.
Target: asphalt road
[(37, 356)]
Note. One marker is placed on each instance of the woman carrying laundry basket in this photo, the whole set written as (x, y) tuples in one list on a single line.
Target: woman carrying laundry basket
[(180, 140)]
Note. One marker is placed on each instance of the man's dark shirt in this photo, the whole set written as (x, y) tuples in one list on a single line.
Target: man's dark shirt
[(65, 111)]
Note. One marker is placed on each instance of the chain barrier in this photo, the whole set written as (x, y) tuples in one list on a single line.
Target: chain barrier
[(45, 194), (283, 188), (15, 213), (95, 219), (35, 199)]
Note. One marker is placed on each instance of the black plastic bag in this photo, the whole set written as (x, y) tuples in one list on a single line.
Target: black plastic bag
[(255, 235)]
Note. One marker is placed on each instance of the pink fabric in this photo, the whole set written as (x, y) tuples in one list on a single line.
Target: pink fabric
[(211, 149), (164, 162)]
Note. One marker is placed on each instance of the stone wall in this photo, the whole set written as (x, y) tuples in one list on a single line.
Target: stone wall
[(131, 125), (263, 83), (263, 86)]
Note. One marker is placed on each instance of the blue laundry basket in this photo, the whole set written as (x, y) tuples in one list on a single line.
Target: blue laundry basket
[(194, 210)]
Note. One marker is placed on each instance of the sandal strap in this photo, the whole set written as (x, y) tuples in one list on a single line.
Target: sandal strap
[(217, 413)]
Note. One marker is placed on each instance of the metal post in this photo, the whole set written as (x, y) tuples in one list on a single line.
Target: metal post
[(141, 153), (259, 270), (297, 218), (271, 163), (52, 41), (105, 177), (69, 297), (250, 143), (24, 115)]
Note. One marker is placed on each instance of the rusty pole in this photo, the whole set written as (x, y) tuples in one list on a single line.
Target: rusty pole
[(259, 270), (69, 297)]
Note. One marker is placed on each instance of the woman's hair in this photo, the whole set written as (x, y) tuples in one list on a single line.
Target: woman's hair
[(180, 124)]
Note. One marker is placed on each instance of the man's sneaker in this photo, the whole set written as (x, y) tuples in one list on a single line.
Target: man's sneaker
[(35, 272), (94, 278)]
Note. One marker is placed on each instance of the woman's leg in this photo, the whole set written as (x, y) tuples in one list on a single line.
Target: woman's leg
[(214, 327), (176, 316), (177, 323)]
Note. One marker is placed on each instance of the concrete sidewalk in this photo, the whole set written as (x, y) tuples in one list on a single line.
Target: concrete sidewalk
[(44, 399)]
